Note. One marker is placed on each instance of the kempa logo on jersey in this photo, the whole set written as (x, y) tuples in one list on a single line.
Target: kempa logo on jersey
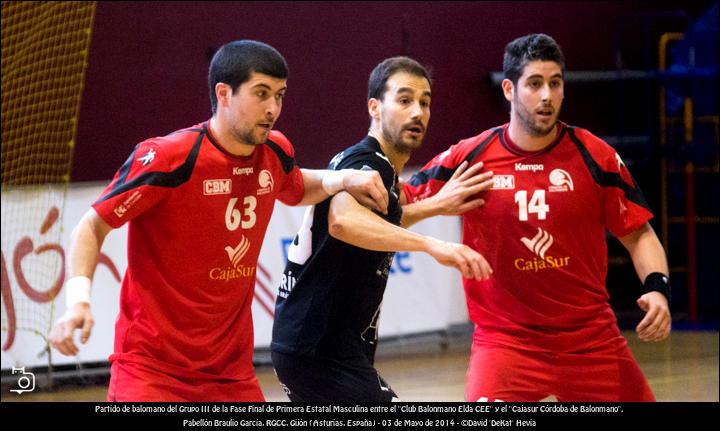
[(503, 182), (561, 181), (235, 255), (265, 180), (121, 209), (520, 167), (539, 245), (242, 171), (217, 187)]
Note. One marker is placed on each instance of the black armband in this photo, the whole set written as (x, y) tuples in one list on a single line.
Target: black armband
[(658, 282)]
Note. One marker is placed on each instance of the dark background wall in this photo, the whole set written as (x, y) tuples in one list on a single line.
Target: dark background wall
[(147, 72)]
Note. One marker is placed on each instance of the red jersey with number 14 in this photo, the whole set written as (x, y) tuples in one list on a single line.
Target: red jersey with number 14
[(542, 230), (197, 217)]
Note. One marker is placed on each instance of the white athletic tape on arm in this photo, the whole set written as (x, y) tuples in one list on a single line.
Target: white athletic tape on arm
[(332, 182), (77, 289)]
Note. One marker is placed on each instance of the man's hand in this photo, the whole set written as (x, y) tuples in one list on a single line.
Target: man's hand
[(367, 188), (61, 335), (466, 260), (656, 324), (464, 184)]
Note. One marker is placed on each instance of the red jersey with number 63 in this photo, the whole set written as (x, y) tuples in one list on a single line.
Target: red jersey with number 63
[(197, 217), (542, 230)]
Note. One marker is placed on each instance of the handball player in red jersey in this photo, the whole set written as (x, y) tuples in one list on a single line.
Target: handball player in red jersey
[(198, 202), (543, 324)]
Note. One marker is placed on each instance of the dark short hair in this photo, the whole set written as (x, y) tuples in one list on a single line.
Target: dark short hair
[(234, 62), (523, 50), (389, 67)]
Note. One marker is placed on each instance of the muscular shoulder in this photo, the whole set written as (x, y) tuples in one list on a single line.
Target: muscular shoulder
[(178, 139), (168, 150), (474, 144), (282, 142), (477, 139), (365, 155), (360, 155), (281, 147)]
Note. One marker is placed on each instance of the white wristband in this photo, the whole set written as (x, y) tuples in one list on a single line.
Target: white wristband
[(77, 289), (332, 182)]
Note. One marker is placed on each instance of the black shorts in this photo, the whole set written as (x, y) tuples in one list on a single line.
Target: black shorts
[(313, 379)]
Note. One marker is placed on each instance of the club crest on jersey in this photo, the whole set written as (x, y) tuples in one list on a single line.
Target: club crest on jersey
[(217, 187), (147, 158), (503, 182), (265, 180), (561, 181), (539, 245)]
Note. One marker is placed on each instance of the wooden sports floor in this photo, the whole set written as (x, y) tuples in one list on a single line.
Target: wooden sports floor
[(432, 368)]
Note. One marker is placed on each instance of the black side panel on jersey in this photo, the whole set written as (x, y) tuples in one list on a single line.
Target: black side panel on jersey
[(442, 173), (161, 179), (608, 179), (287, 162)]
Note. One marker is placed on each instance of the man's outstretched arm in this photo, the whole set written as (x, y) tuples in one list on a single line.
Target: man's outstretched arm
[(354, 224), (365, 186), (85, 244)]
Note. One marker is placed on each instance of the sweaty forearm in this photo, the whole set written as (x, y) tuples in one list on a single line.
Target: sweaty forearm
[(354, 224), (646, 252), (418, 211), (314, 192)]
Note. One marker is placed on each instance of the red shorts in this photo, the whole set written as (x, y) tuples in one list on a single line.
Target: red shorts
[(502, 373), (133, 382)]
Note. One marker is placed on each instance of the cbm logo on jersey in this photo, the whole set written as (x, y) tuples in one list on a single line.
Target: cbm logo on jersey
[(217, 187), (503, 182)]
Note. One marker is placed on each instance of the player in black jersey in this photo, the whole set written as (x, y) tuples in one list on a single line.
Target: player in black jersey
[(328, 305)]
